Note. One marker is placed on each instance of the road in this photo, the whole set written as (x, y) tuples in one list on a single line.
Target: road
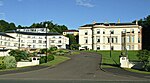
[(81, 67)]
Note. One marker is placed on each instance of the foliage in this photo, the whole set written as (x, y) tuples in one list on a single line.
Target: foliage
[(2, 66), (143, 56), (73, 41), (145, 23), (51, 26), (52, 49), (50, 57), (4, 26), (43, 51), (43, 59), (56, 61), (74, 46), (10, 62), (18, 54)]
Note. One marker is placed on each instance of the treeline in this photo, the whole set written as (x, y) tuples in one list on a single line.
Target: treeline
[(5, 26), (145, 23)]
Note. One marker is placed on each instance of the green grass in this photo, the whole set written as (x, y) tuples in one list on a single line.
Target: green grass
[(106, 59), (56, 61)]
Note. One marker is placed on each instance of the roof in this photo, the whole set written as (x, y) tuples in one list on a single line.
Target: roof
[(4, 34), (71, 31), (33, 33), (108, 24)]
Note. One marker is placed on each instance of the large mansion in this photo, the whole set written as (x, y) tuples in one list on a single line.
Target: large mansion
[(114, 36)]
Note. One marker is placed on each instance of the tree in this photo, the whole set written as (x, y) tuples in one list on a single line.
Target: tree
[(143, 56), (9, 62), (19, 55), (145, 23)]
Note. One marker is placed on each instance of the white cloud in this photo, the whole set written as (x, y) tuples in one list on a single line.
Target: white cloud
[(1, 3), (85, 3)]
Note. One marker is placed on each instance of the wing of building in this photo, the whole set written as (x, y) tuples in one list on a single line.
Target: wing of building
[(114, 36), (34, 38)]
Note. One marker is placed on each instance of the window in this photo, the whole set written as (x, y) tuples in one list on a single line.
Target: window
[(40, 41), (98, 47), (132, 31), (34, 41), (52, 41), (138, 30), (53, 36), (139, 40), (112, 40), (111, 31), (60, 37), (132, 39), (98, 39), (22, 44), (86, 40), (103, 31), (59, 41), (28, 37), (128, 39), (116, 40), (108, 40), (98, 31), (86, 32)]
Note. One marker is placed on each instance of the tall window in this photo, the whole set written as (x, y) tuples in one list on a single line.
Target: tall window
[(139, 40), (124, 31), (40, 41), (112, 40), (98, 31), (98, 39), (128, 39), (103, 39), (103, 31), (132, 39), (111, 31), (59, 41), (116, 39), (108, 40), (86, 40)]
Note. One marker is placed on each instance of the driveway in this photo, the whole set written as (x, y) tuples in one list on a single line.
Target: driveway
[(84, 66)]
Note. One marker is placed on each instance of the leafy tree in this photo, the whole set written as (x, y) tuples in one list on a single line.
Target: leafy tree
[(143, 56), (74, 46), (19, 55), (10, 62), (145, 23)]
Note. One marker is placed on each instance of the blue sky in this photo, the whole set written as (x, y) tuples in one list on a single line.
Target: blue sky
[(72, 13)]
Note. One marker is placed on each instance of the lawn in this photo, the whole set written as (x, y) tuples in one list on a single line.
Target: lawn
[(56, 61), (114, 59)]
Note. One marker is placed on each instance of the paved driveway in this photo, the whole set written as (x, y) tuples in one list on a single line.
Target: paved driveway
[(84, 66)]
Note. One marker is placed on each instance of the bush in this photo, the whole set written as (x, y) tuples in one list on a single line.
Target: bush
[(50, 57), (42, 59), (147, 68), (2, 66), (10, 62)]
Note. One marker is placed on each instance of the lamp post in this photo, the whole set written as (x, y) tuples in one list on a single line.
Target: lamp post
[(110, 40), (46, 41)]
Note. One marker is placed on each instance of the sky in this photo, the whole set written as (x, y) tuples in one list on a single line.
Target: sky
[(72, 13)]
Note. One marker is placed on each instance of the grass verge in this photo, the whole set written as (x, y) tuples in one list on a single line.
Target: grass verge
[(56, 61)]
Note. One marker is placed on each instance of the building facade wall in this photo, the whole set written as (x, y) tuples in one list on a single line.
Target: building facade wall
[(111, 37)]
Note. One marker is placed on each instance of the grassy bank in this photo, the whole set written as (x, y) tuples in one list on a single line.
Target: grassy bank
[(114, 59), (56, 61)]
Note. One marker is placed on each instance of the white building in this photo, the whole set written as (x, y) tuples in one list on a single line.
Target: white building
[(115, 36), (37, 40), (28, 39)]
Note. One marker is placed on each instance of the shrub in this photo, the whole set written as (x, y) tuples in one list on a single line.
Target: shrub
[(2, 66), (43, 59), (50, 57), (9, 62)]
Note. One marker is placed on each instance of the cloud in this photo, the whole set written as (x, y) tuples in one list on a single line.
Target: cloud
[(1, 3), (85, 3)]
